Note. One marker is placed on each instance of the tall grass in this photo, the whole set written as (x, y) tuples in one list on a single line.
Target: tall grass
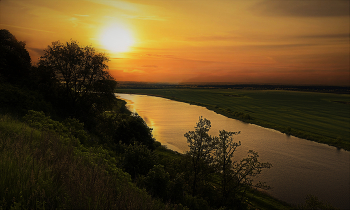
[(43, 170)]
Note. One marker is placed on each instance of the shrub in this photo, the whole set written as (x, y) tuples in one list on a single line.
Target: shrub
[(138, 160)]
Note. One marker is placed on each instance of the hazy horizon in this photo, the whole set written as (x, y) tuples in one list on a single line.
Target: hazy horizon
[(243, 42)]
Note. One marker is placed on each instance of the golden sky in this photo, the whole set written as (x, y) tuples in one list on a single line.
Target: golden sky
[(239, 41)]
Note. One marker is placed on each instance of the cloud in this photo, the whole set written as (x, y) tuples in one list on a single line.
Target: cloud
[(279, 46), (33, 29), (145, 17), (82, 15), (150, 66), (212, 38), (133, 71), (318, 8), (253, 47), (122, 5), (37, 50), (159, 55), (74, 21), (327, 36)]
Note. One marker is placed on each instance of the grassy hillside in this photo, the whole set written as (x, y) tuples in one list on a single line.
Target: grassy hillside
[(321, 117), (45, 167)]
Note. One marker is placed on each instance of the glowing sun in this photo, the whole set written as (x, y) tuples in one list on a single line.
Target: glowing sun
[(115, 38)]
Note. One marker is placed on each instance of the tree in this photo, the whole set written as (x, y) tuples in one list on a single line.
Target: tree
[(15, 62), (157, 181), (235, 177), (213, 156), (116, 127), (82, 75), (223, 159), (201, 146), (138, 160), (241, 178)]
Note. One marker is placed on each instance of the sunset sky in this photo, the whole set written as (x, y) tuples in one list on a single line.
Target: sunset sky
[(238, 41)]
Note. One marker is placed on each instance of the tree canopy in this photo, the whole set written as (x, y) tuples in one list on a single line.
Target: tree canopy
[(213, 156), (201, 146), (81, 74), (15, 62)]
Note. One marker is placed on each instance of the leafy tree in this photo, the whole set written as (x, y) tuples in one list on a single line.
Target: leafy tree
[(15, 62), (85, 86), (236, 177), (224, 152), (201, 146), (126, 128), (211, 160), (157, 181), (242, 178), (138, 160)]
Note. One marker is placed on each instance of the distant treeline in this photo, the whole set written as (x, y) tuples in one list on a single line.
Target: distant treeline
[(307, 88)]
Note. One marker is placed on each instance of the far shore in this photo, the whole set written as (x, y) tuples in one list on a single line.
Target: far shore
[(338, 143)]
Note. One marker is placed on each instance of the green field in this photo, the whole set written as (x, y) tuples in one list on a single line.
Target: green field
[(321, 117)]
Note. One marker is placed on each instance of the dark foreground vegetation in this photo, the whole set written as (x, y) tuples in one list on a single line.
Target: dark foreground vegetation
[(67, 143)]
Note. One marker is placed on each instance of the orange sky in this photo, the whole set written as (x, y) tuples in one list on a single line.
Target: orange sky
[(239, 41)]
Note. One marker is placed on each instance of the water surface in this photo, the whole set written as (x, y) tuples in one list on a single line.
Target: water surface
[(300, 167)]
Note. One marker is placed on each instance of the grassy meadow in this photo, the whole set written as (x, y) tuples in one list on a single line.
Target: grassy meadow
[(321, 117)]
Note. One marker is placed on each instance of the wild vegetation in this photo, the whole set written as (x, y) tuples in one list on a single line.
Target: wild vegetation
[(67, 143), (44, 166), (321, 117)]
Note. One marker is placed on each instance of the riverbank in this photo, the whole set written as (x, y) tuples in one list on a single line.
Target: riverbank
[(313, 116), (27, 167), (300, 167)]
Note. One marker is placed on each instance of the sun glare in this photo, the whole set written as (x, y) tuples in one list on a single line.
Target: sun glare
[(115, 38)]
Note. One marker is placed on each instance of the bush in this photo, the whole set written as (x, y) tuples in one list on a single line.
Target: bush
[(125, 128), (138, 160), (157, 181), (70, 128), (18, 101)]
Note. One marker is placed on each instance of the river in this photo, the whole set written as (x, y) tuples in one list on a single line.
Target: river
[(300, 167)]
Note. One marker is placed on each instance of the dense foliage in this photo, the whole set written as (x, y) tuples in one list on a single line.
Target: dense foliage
[(79, 79), (14, 59), (44, 166)]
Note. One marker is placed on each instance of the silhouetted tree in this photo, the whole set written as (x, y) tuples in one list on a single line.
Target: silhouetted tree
[(157, 181), (138, 160), (224, 152), (85, 85), (243, 174), (235, 177), (211, 161), (126, 128), (201, 146), (15, 62)]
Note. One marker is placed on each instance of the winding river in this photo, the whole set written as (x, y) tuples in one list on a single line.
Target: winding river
[(300, 167)]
